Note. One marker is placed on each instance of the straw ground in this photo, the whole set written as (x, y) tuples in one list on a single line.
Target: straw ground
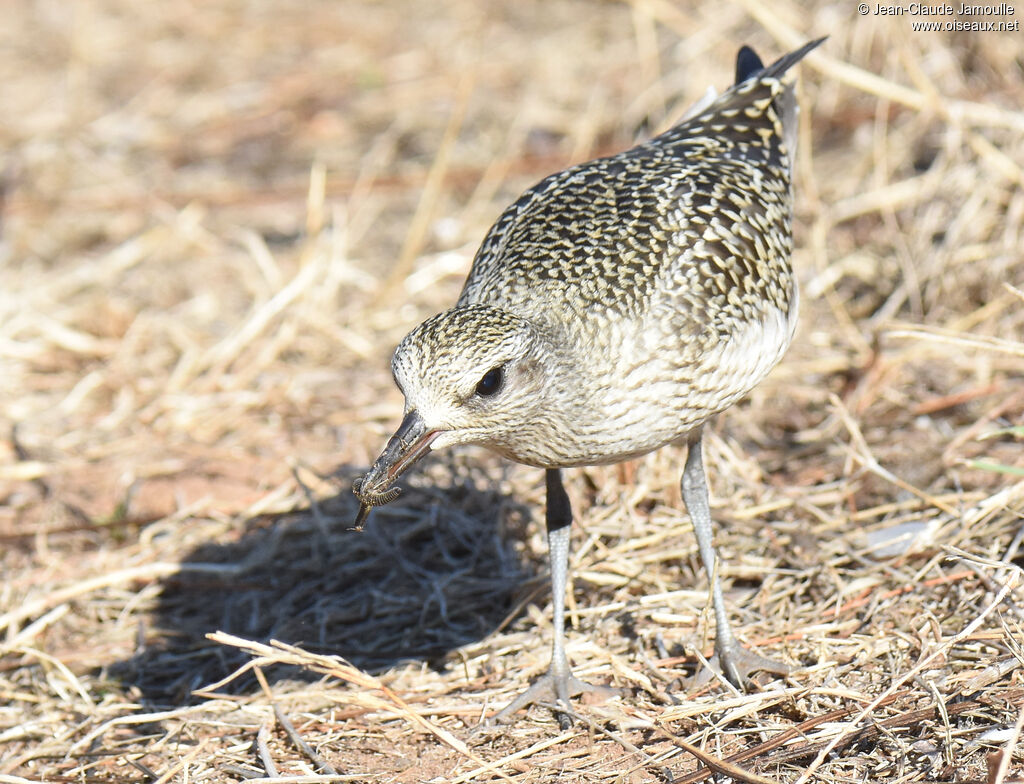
[(218, 219)]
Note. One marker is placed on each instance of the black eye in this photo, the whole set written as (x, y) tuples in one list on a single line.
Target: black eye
[(491, 382)]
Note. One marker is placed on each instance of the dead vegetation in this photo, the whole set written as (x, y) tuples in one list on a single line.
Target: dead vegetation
[(218, 219)]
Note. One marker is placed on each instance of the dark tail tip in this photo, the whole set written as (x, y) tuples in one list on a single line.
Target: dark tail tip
[(747, 64)]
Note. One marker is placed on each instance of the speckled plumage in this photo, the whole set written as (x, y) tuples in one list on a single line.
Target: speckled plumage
[(614, 308), (657, 280)]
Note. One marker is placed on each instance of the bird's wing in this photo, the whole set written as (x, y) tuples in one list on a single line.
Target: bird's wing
[(603, 235)]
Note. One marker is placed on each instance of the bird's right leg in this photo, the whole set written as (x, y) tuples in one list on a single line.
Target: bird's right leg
[(559, 684), (731, 658)]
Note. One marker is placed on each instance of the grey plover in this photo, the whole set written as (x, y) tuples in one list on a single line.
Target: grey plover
[(611, 310)]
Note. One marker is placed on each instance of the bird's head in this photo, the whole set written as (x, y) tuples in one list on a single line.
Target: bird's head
[(474, 374)]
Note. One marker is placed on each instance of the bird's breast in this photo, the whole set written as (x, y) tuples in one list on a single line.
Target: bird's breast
[(635, 385)]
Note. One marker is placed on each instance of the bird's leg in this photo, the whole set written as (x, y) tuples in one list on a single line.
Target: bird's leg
[(559, 684), (731, 658)]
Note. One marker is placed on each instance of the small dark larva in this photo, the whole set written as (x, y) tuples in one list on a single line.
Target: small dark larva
[(369, 500)]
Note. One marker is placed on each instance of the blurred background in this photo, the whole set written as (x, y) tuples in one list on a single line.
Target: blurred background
[(217, 220)]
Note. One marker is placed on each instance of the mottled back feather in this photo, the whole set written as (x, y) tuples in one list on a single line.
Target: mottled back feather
[(705, 204)]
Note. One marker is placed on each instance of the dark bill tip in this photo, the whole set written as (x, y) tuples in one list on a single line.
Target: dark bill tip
[(361, 515), (406, 447)]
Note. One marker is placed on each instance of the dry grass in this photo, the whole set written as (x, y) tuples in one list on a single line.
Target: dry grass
[(218, 219)]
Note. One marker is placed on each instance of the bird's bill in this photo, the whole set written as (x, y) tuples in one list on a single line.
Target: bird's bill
[(410, 442)]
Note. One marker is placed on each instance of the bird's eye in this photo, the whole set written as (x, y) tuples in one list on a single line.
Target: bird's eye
[(491, 382)]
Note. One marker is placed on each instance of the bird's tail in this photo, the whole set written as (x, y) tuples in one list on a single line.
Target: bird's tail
[(750, 68), (749, 65), (755, 82)]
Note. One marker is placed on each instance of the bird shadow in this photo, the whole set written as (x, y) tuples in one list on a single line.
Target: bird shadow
[(431, 572)]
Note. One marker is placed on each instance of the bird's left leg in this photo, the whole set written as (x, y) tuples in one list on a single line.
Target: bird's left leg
[(559, 684), (730, 658)]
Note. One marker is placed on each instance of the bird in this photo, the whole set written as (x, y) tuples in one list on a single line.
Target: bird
[(611, 310)]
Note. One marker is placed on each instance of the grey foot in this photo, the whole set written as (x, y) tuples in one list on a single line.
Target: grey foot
[(736, 663), (555, 690)]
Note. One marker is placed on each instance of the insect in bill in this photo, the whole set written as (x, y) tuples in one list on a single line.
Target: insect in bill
[(369, 499)]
